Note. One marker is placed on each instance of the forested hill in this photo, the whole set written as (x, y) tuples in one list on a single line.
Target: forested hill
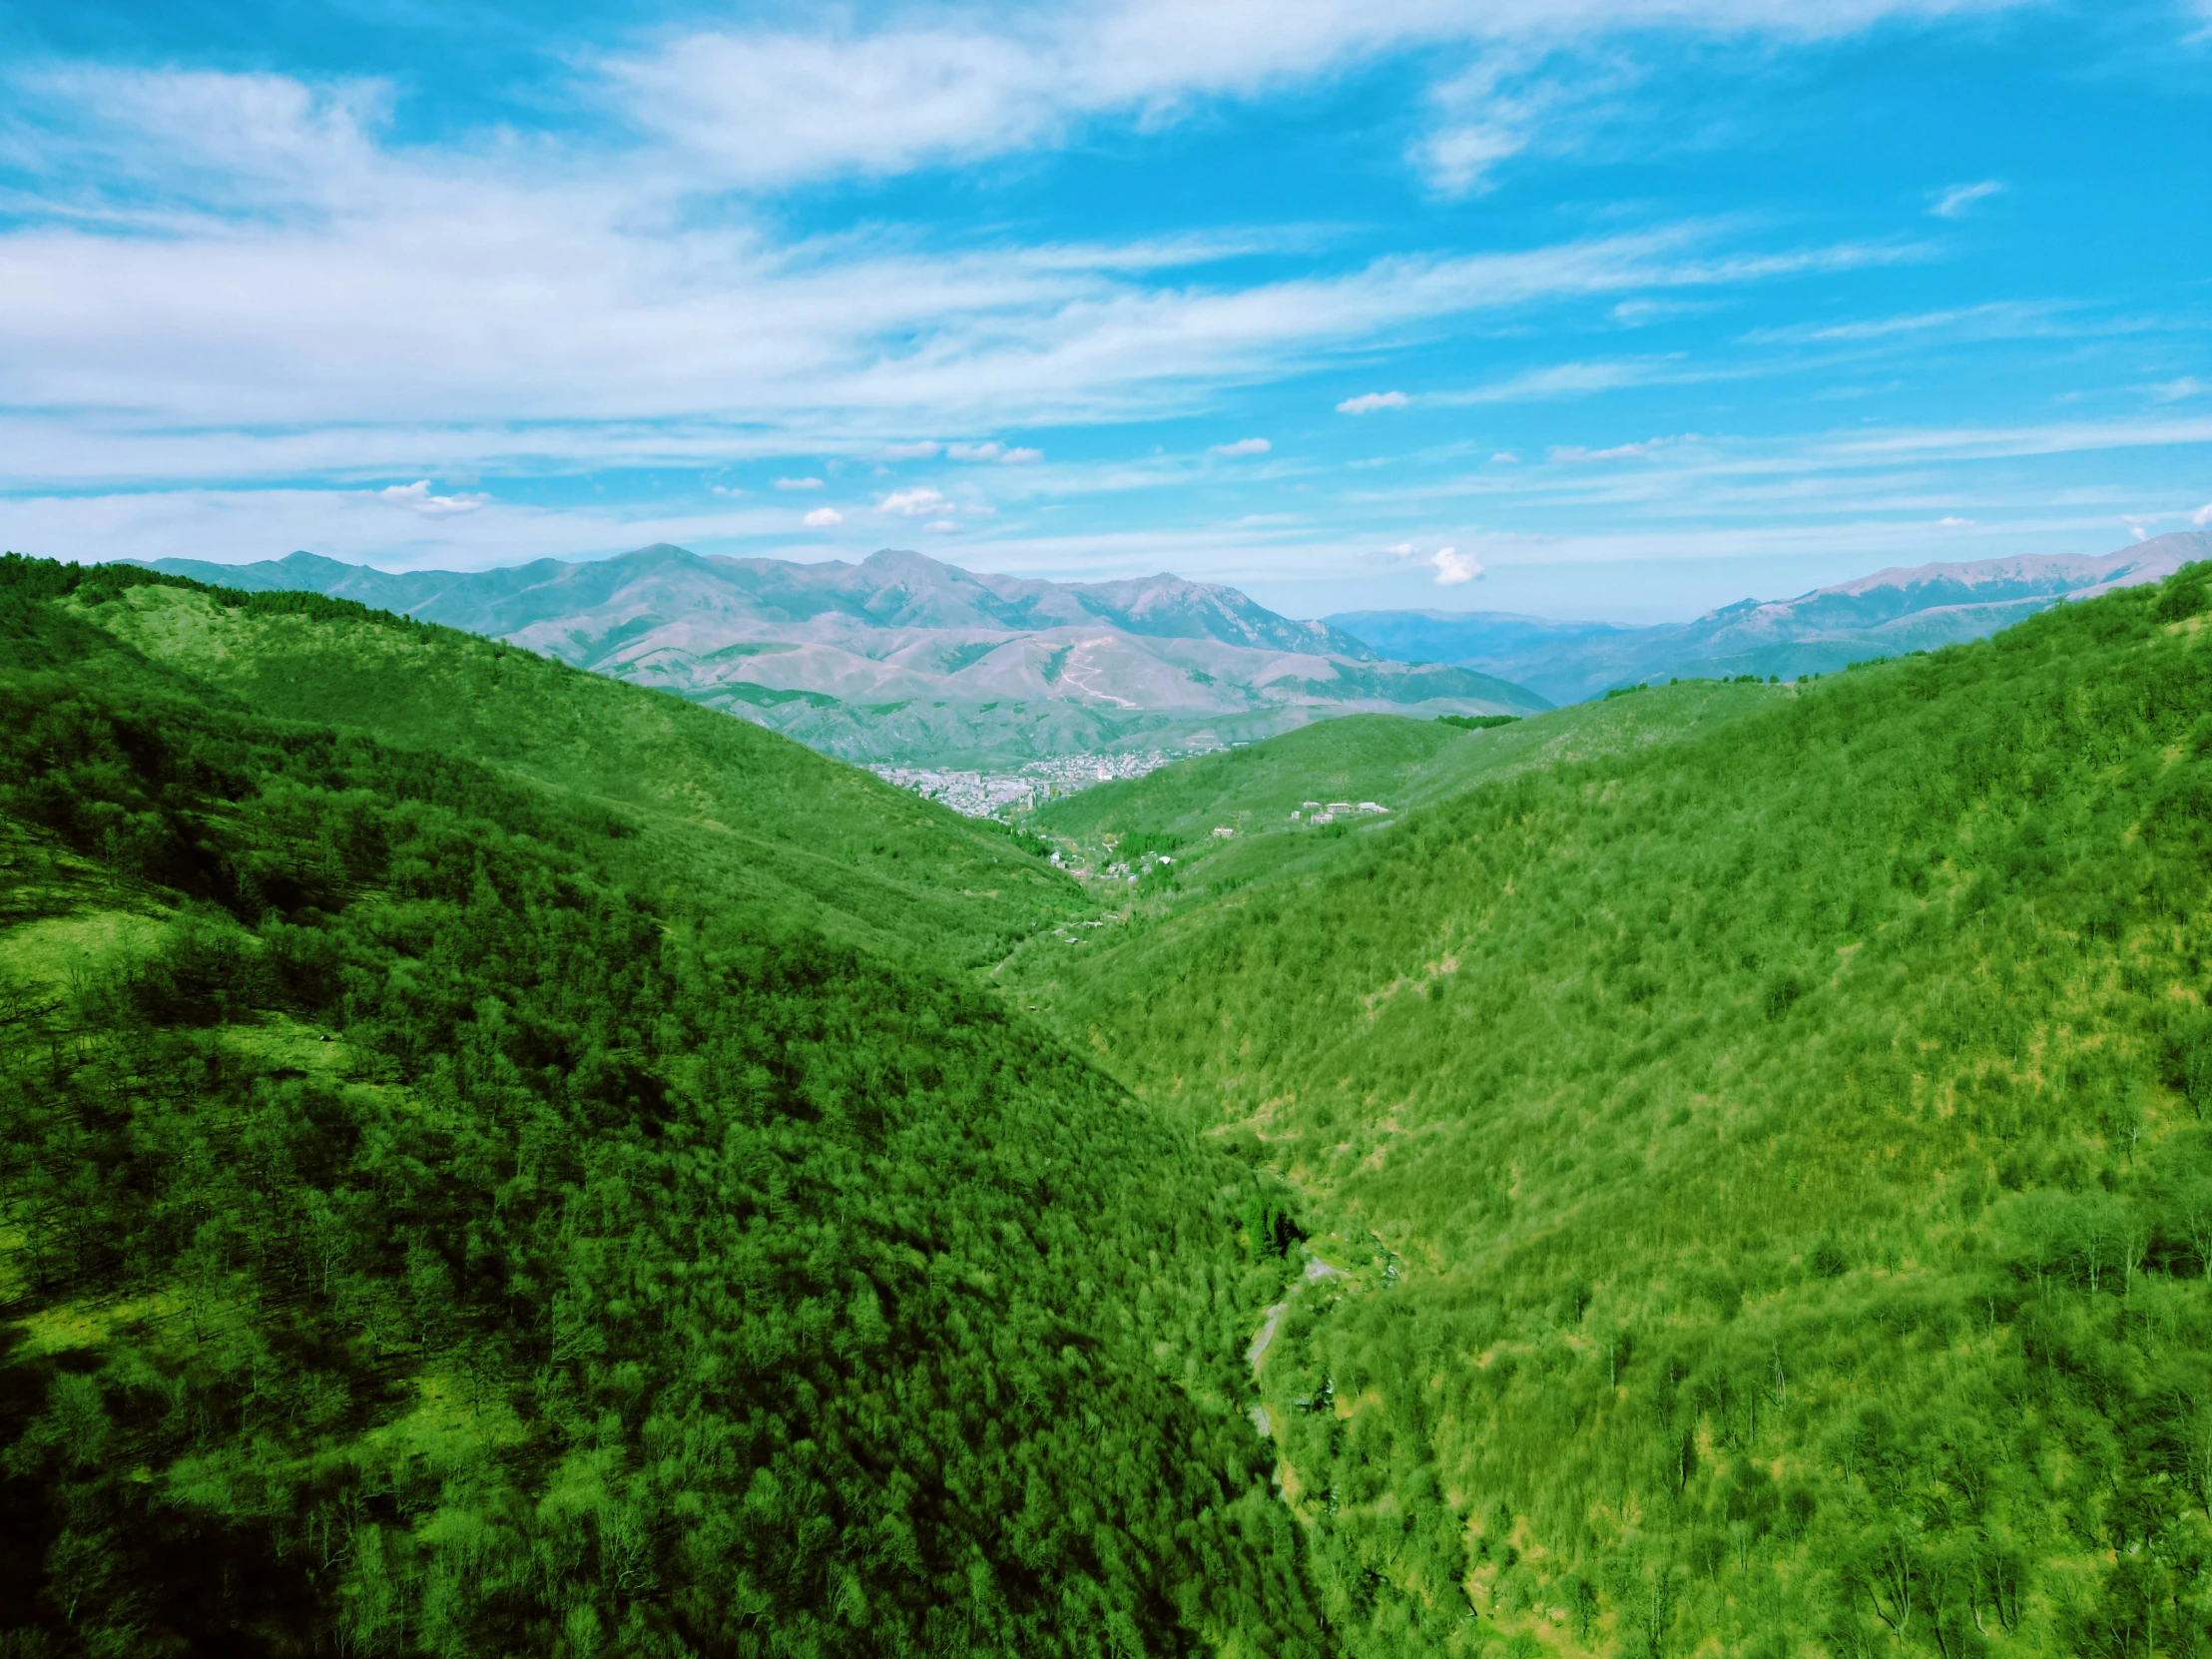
[(444, 1211), (716, 802), (1767, 1165)]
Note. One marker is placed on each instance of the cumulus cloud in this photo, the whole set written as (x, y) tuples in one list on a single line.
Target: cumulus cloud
[(1370, 401), (799, 483), (1244, 446), (1505, 457), (823, 518), (1953, 200), (2202, 516), (1451, 566), (417, 495)]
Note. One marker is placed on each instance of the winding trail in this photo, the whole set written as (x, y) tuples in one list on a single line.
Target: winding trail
[(1317, 1272)]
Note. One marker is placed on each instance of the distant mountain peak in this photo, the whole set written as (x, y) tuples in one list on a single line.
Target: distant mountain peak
[(1031, 660)]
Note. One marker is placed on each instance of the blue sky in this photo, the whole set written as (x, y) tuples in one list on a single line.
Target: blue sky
[(1589, 308)]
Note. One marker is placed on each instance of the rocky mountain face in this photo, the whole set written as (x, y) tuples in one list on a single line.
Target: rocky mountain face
[(1886, 614), (901, 657)]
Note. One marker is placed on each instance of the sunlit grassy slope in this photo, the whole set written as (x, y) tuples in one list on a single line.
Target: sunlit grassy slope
[(1768, 1160), (1387, 759), (433, 1224), (719, 801)]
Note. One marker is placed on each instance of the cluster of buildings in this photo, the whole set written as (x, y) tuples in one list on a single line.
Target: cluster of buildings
[(1315, 811), (994, 794)]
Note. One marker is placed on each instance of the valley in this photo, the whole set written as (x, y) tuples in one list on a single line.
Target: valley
[(1720, 1168)]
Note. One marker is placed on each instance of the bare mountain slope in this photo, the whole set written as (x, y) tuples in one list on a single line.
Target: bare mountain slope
[(903, 657), (1886, 614)]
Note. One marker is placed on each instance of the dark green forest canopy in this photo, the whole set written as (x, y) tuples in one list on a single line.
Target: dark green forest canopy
[(721, 805), (1771, 1162), (427, 1231)]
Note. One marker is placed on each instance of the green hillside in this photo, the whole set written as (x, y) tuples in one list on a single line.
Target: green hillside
[(1766, 1166), (718, 802), (1387, 759), (437, 1218), (500, 1161)]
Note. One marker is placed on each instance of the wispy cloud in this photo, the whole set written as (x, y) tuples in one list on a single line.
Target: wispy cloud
[(799, 483), (209, 320), (1367, 403), (1579, 379), (993, 452), (1954, 200), (1244, 446), (1998, 319), (768, 107), (1575, 454)]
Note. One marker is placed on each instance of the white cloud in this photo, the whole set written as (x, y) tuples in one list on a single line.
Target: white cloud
[(799, 483), (919, 502), (940, 527), (992, 451), (207, 327), (2202, 516), (417, 495), (823, 518), (1998, 319), (1568, 452), (1505, 457), (908, 451), (724, 489), (1453, 567), (1954, 522), (1582, 379), (1244, 446), (2173, 391), (1370, 401), (766, 107), (1954, 200), (2136, 529)]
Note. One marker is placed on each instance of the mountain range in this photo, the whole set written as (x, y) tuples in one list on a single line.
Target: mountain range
[(903, 657), (1887, 614)]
